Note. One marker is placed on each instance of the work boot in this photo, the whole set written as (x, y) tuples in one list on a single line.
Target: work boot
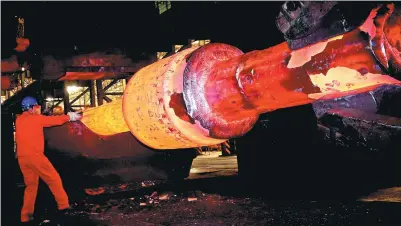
[(66, 212), (30, 223), (67, 217)]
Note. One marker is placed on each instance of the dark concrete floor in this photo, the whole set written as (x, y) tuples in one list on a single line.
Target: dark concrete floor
[(213, 195)]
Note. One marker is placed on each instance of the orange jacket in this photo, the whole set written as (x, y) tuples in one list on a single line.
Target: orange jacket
[(29, 132)]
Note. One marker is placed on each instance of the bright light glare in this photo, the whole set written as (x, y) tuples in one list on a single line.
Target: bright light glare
[(22, 69), (49, 99), (71, 89)]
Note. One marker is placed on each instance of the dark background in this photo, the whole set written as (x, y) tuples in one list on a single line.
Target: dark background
[(136, 27)]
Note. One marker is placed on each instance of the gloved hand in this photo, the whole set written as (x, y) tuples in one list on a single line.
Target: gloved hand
[(74, 116)]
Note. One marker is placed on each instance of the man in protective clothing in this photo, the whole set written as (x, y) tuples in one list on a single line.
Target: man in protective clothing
[(32, 161)]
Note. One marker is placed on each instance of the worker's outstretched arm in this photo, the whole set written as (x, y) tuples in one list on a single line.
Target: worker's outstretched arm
[(48, 121)]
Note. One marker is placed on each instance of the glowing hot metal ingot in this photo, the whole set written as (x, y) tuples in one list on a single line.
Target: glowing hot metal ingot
[(201, 97), (152, 108)]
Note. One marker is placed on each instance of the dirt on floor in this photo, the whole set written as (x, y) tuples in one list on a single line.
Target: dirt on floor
[(214, 195)]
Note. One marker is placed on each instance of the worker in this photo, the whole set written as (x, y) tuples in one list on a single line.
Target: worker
[(32, 161)]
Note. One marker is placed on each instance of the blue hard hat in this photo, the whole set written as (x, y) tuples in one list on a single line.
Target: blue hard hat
[(28, 102)]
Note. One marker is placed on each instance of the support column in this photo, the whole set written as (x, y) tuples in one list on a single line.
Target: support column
[(92, 93), (43, 105), (66, 98), (100, 92)]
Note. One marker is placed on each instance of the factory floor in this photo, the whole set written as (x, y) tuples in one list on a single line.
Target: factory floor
[(212, 195)]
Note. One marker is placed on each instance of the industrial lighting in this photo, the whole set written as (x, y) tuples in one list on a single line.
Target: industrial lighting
[(22, 69), (71, 89)]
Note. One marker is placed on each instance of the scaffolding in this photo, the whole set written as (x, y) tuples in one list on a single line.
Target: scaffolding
[(18, 81)]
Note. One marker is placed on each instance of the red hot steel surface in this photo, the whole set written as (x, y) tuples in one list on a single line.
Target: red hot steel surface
[(386, 38), (226, 90)]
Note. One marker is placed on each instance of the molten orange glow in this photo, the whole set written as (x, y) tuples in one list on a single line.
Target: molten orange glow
[(368, 26), (301, 56), (201, 97), (94, 191), (147, 111), (343, 79), (247, 85), (393, 30), (106, 120), (383, 27), (151, 109)]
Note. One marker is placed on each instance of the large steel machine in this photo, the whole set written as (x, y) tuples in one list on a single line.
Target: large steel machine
[(335, 66)]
